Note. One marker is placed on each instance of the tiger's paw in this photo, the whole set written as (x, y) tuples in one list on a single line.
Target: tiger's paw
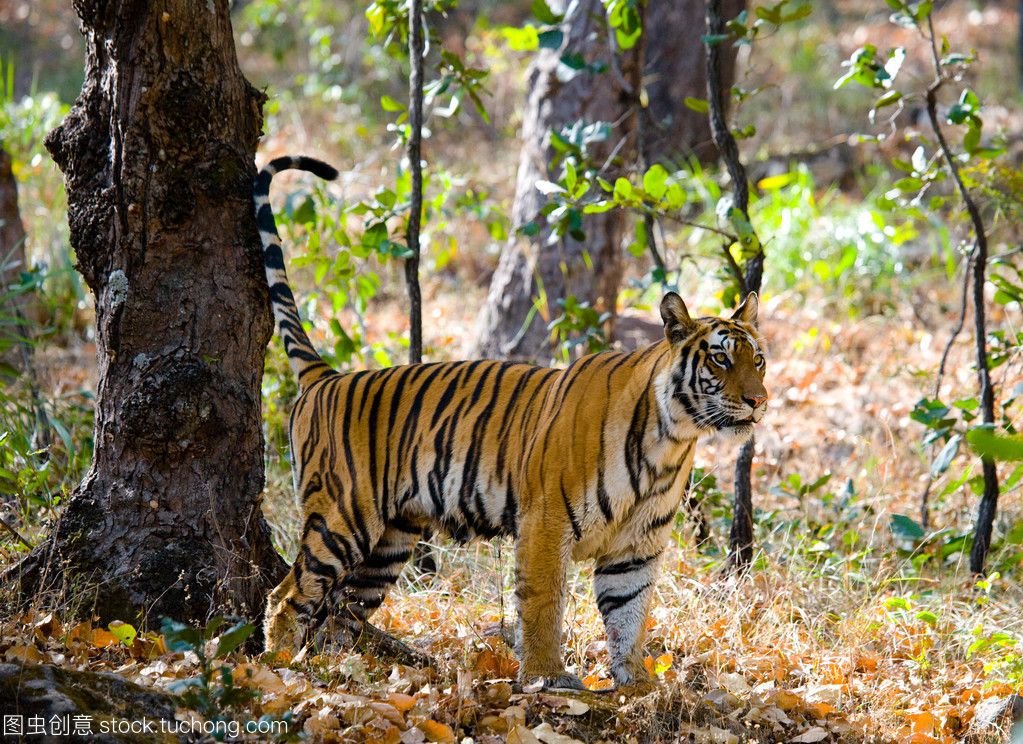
[(564, 681), (633, 675), (550, 682)]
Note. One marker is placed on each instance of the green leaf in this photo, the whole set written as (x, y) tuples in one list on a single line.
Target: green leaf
[(123, 632), (945, 457), (700, 105), (987, 443), (713, 39), (623, 189), (971, 140), (550, 39), (896, 603), (544, 14), (305, 212), (389, 104), (234, 638), (910, 183), (180, 637), (525, 39), (889, 98), (801, 11), (928, 617), (530, 229), (906, 528), (655, 181), (776, 182)]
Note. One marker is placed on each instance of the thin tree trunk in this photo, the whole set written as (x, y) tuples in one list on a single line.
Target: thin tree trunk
[(157, 155), (20, 310), (513, 321), (984, 526), (414, 155), (422, 556), (12, 231), (12, 258), (741, 535)]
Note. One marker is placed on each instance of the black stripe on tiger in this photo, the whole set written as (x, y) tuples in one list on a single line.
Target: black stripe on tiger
[(608, 603), (623, 567)]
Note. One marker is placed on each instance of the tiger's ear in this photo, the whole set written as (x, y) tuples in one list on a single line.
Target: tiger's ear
[(747, 311), (677, 321)]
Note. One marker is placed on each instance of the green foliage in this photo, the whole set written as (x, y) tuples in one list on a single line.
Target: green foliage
[(214, 693), (766, 18), (625, 19), (579, 328), (530, 37)]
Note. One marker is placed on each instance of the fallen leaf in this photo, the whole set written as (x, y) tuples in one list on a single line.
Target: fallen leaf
[(919, 738), (385, 735), (785, 699), (24, 653), (809, 737), (734, 683), (546, 734), (522, 735), (413, 736), (103, 638), (321, 722), (593, 682), (437, 732), (258, 677), (922, 722), (403, 703)]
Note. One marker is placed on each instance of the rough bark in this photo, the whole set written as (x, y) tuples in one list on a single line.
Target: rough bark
[(674, 71), (157, 155), (509, 326)]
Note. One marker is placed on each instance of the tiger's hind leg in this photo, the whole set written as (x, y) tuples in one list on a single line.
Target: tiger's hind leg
[(300, 603)]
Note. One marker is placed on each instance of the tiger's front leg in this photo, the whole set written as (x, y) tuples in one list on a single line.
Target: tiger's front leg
[(624, 585), (541, 562)]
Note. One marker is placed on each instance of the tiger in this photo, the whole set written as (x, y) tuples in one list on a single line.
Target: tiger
[(587, 462)]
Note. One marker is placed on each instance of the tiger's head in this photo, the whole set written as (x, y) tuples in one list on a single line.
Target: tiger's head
[(715, 382)]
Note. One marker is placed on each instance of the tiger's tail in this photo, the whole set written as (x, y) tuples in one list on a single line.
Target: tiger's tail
[(302, 356)]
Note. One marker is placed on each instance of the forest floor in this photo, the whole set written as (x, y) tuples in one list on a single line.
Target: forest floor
[(838, 634)]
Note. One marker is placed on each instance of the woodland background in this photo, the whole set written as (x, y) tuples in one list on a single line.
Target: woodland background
[(853, 612)]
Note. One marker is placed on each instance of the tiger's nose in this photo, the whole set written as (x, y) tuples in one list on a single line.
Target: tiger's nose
[(754, 401)]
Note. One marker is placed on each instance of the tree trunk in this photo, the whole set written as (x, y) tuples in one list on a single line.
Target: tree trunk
[(13, 328), (19, 310), (157, 155), (675, 65), (12, 231), (512, 324)]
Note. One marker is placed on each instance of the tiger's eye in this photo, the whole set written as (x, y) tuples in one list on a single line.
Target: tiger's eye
[(720, 359), (759, 360)]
